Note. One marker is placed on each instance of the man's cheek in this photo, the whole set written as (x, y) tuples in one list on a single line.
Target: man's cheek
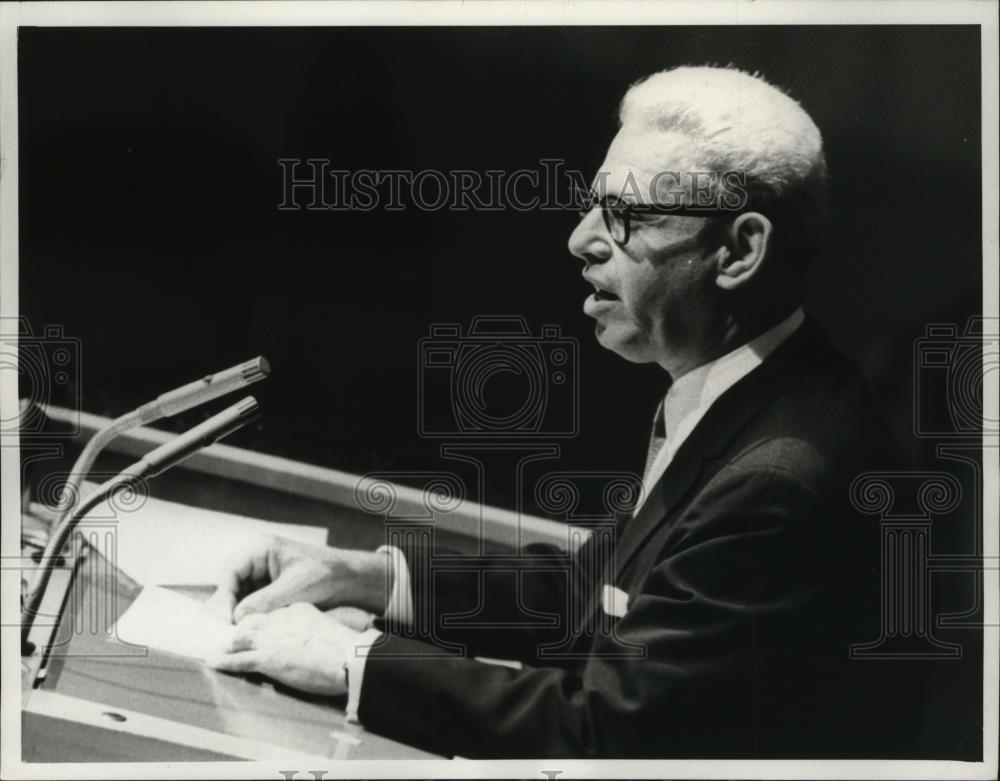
[(637, 312)]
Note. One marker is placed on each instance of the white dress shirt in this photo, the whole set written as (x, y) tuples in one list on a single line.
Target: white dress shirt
[(399, 610), (691, 394), (685, 404)]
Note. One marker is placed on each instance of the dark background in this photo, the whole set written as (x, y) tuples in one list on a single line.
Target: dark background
[(149, 227)]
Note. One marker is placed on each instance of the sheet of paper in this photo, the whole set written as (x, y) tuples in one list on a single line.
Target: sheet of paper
[(166, 543), (167, 621)]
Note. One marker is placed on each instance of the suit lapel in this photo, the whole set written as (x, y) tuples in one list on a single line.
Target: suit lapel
[(725, 419)]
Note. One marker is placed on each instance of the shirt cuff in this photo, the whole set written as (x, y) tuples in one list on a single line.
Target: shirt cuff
[(399, 609), (356, 671)]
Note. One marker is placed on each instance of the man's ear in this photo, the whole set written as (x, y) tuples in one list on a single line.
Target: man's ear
[(748, 238)]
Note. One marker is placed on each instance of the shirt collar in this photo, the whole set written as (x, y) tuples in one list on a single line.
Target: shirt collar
[(701, 386)]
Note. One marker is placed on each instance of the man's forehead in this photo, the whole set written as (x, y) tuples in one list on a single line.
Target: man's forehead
[(636, 156)]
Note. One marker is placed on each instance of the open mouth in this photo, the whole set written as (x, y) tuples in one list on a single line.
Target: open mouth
[(604, 295)]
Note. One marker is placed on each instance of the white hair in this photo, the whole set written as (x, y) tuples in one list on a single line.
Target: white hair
[(733, 121)]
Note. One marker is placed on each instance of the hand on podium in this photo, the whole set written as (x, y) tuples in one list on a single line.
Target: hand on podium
[(275, 572), (299, 646)]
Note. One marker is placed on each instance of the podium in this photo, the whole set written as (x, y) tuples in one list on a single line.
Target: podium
[(102, 699), (88, 696)]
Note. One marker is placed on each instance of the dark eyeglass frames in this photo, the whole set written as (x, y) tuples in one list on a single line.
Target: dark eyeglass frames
[(617, 214)]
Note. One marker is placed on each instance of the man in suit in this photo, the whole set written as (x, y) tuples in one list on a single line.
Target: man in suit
[(720, 622)]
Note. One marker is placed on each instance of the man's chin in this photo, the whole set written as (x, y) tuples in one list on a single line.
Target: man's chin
[(611, 339)]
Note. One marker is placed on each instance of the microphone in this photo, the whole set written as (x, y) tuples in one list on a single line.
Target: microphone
[(153, 463), (191, 441), (211, 387), (167, 404)]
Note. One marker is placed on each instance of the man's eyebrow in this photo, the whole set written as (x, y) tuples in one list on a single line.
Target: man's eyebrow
[(624, 194), (592, 196)]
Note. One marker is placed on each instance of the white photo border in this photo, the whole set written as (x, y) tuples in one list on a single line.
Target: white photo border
[(501, 13)]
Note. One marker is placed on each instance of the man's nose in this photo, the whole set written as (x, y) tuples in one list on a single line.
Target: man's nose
[(589, 240)]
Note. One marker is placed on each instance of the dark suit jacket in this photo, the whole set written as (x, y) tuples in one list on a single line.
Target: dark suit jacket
[(748, 576)]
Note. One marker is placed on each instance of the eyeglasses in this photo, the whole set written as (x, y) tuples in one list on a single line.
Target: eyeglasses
[(618, 214)]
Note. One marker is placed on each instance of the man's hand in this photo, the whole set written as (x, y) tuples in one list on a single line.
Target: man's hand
[(298, 646), (273, 572)]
